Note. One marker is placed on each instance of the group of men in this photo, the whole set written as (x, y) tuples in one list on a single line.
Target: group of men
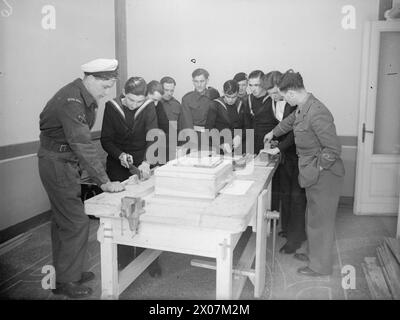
[(275, 106)]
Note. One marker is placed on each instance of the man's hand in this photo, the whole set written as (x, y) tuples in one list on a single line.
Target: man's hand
[(125, 159), (236, 141), (114, 186), (274, 143), (268, 137), (226, 147), (144, 170), (273, 151)]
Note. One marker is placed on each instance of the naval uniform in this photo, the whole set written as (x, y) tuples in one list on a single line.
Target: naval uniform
[(125, 130), (263, 118), (292, 196), (163, 124), (195, 106), (318, 146), (223, 116), (65, 148), (264, 121)]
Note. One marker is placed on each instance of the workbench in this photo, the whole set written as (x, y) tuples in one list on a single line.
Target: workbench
[(201, 227)]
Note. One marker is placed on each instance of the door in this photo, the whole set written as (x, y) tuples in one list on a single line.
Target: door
[(378, 154)]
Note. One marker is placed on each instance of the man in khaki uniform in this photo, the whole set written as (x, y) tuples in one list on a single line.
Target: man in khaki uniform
[(66, 147), (321, 169)]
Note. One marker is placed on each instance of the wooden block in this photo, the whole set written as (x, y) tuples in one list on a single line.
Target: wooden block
[(136, 267), (244, 263), (193, 181), (392, 270), (394, 246), (375, 279)]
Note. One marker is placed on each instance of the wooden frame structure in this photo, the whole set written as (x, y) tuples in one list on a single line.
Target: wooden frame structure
[(198, 227)]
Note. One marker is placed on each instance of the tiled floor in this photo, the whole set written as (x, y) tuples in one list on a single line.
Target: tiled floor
[(356, 237)]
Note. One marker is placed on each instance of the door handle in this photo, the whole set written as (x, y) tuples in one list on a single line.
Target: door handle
[(364, 131)]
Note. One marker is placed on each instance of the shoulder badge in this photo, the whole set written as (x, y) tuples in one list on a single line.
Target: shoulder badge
[(74, 100)]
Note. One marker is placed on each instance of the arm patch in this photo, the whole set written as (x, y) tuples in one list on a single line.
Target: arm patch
[(82, 118)]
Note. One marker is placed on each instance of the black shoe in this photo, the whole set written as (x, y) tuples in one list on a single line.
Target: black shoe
[(73, 290), (282, 234), (301, 257), (155, 270), (289, 248), (306, 271), (86, 276)]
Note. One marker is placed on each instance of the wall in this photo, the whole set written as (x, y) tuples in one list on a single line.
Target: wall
[(34, 64), (228, 36)]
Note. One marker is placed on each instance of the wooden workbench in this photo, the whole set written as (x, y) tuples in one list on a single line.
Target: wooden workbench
[(209, 228)]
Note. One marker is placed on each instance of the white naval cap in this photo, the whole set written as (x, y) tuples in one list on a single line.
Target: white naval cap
[(102, 68)]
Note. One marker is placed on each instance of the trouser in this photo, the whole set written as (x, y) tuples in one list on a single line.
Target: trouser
[(69, 223), (276, 191), (116, 172), (293, 202), (322, 203)]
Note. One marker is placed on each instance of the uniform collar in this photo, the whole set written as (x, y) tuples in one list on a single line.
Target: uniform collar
[(306, 104), (170, 101), (87, 97)]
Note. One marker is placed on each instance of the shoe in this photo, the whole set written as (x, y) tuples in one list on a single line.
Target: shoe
[(86, 276), (155, 270), (306, 271), (73, 290), (282, 234), (301, 257), (288, 248)]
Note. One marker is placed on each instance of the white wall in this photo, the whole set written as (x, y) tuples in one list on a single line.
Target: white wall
[(34, 64), (228, 36)]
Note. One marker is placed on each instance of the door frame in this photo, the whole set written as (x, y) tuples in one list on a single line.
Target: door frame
[(368, 93)]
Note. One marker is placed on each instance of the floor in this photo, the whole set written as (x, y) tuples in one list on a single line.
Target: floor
[(356, 237)]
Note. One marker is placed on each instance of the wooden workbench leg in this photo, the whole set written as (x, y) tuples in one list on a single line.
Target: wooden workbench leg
[(224, 270), (109, 264), (261, 242)]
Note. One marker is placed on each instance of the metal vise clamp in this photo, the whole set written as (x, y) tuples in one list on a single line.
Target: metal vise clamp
[(131, 209)]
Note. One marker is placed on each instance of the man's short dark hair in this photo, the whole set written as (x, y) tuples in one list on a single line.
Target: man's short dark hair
[(136, 86), (271, 79), (240, 76), (199, 72), (231, 87), (154, 86), (168, 80), (291, 81), (256, 74)]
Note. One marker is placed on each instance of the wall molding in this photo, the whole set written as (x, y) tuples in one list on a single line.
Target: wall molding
[(28, 148)]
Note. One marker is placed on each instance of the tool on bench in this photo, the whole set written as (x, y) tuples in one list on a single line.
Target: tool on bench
[(131, 209)]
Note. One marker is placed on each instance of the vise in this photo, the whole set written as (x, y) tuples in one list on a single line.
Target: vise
[(131, 209)]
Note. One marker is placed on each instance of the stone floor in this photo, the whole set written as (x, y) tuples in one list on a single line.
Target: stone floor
[(356, 237)]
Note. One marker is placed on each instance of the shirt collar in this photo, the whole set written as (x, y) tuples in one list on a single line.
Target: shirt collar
[(87, 97)]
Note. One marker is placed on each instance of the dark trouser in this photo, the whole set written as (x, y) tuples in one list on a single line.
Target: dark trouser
[(293, 201), (322, 203), (276, 191), (116, 172), (70, 224)]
